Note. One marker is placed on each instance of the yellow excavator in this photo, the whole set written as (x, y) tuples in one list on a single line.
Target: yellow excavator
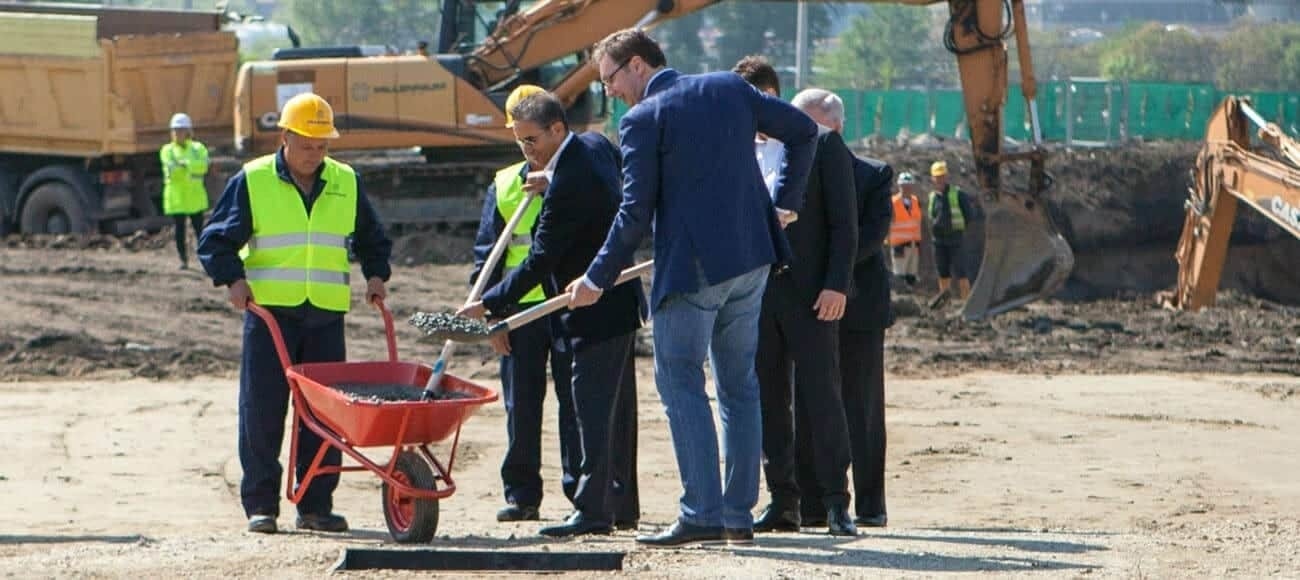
[(1231, 168), (450, 104)]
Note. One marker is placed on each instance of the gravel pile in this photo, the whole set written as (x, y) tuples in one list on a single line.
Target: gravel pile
[(387, 393)]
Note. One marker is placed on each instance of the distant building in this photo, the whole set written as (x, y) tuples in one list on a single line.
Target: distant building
[(1105, 14)]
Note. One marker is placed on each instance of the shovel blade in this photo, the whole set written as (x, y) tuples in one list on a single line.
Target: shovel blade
[(1025, 258)]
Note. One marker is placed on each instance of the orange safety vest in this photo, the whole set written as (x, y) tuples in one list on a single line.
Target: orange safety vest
[(906, 225)]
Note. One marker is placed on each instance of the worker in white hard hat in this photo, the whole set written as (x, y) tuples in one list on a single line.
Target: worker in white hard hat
[(184, 166), (280, 235), (905, 229)]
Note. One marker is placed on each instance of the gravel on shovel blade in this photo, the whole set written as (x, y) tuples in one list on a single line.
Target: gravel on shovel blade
[(447, 323), (388, 393)]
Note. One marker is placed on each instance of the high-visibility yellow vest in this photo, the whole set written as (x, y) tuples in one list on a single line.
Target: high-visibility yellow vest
[(294, 257), (510, 193), (184, 167), (906, 225), (954, 209)]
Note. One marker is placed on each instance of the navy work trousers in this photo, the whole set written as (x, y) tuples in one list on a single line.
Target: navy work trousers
[(264, 402)]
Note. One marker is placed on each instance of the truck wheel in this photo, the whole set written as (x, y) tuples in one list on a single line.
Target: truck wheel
[(54, 208), (411, 520)]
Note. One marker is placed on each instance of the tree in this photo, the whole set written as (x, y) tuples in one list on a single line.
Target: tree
[(1154, 52), (763, 28), (1257, 57), (397, 23), (680, 40), (892, 46)]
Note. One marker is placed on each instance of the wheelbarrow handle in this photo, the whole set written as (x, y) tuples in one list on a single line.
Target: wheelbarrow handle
[(277, 336)]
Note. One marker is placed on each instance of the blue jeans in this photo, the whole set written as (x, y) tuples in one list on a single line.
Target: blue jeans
[(720, 321)]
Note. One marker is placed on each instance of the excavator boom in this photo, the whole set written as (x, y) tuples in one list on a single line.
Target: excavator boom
[(1230, 169)]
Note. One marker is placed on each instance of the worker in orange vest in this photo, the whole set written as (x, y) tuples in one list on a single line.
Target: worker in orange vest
[(905, 229)]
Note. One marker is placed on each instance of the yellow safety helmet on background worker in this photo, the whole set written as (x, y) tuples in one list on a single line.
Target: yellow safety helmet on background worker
[(309, 115), (938, 168), (520, 93)]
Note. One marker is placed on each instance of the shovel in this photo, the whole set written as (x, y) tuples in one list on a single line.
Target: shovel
[(433, 388), (461, 329)]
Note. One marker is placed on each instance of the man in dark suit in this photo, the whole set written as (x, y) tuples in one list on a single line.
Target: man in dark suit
[(862, 332), (797, 333), (689, 167), (579, 204)]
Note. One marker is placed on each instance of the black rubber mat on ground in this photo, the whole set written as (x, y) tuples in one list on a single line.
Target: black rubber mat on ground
[(376, 559)]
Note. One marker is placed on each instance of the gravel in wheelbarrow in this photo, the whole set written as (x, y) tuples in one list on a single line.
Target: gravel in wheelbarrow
[(393, 392)]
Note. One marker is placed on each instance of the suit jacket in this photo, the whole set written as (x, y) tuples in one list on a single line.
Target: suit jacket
[(689, 167), (825, 238), (577, 209), (870, 308)]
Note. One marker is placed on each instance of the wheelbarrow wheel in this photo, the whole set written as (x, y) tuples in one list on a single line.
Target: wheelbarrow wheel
[(411, 520)]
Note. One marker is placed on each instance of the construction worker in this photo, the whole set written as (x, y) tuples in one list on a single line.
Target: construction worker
[(905, 229), (184, 165), (279, 235), (949, 211), (525, 351)]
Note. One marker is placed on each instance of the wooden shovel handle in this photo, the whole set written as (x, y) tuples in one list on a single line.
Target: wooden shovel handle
[(560, 301)]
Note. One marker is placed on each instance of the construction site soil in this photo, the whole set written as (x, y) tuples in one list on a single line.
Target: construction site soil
[(1095, 433)]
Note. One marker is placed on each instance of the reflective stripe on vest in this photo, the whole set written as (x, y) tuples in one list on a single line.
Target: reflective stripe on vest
[(510, 193), (294, 257), (183, 189), (906, 225), (958, 220)]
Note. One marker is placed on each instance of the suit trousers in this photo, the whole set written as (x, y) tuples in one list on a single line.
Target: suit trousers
[(798, 360), (263, 403), (599, 372), (523, 389), (862, 371)]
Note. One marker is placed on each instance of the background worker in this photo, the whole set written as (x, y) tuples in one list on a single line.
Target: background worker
[(278, 235), (861, 338), (796, 359), (580, 202), (905, 229), (684, 136), (184, 166), (525, 351), (950, 209)]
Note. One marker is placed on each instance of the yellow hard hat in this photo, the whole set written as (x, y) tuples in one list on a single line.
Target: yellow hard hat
[(309, 115), (938, 168), (520, 93)]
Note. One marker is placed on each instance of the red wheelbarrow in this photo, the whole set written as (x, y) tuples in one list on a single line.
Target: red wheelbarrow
[(414, 479)]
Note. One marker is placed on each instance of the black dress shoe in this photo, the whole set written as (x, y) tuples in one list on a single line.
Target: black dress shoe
[(578, 524), (681, 534), (626, 524), (840, 523), (738, 536), (776, 519), (517, 513), (872, 521)]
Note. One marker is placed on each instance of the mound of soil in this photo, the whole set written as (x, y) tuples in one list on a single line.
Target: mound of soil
[(59, 354)]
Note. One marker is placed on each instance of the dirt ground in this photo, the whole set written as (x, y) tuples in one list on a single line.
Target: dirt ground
[(1065, 440)]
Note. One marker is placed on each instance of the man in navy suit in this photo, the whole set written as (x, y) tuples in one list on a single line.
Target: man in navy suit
[(689, 167), (862, 334), (578, 206)]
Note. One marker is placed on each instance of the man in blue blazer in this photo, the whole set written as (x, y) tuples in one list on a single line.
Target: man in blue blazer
[(578, 206), (689, 168)]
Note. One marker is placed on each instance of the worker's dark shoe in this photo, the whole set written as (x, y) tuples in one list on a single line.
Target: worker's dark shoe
[(518, 513), (872, 521), (840, 523), (322, 522), (776, 518), (738, 536), (682, 534), (261, 524), (578, 524)]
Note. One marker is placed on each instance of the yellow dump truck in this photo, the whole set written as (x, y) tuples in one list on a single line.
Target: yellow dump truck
[(87, 95)]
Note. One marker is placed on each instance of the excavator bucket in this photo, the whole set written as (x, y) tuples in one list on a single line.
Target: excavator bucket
[(1025, 257)]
